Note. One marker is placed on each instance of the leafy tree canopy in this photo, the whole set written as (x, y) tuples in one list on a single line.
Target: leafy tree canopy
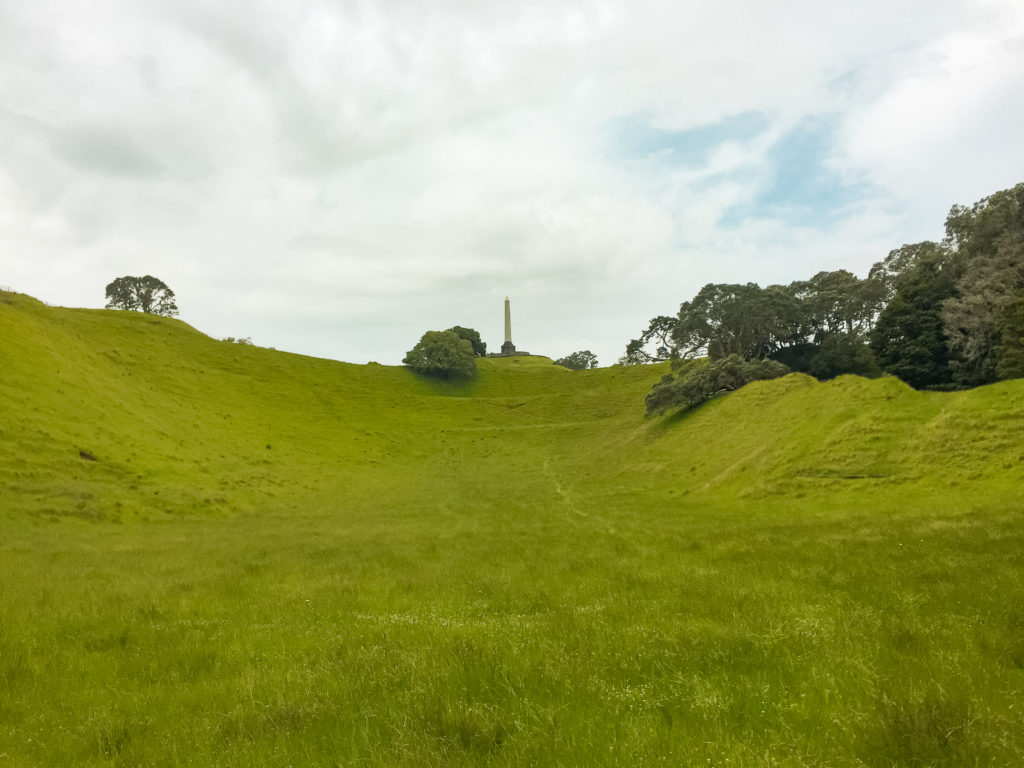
[(937, 315), (886, 275), (658, 334), (142, 294), (974, 230), (744, 320), (1010, 350), (707, 379), (832, 355), (473, 337), (840, 353), (835, 302), (444, 354), (578, 361), (908, 340), (989, 271)]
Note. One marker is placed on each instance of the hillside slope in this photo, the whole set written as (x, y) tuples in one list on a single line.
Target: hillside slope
[(214, 554), (181, 423)]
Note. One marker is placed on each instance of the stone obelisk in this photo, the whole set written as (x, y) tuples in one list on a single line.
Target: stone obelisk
[(508, 347)]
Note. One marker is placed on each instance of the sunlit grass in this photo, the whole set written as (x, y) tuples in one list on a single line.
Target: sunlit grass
[(516, 571)]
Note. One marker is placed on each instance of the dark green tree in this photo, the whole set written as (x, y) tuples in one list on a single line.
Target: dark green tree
[(908, 339), (744, 320), (443, 354), (707, 379), (831, 355), (1010, 350), (886, 274), (834, 303), (799, 356), (578, 361), (974, 230), (473, 337), (840, 353), (989, 262), (142, 294)]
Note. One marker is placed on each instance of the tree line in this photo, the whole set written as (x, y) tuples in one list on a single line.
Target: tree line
[(939, 315)]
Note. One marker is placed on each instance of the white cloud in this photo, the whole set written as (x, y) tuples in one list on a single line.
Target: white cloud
[(943, 131), (336, 178)]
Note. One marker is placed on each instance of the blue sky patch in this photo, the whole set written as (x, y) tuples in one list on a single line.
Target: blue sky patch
[(633, 137), (801, 188), (794, 184)]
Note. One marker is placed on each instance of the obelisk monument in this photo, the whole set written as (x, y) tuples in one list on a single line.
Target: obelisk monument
[(508, 347)]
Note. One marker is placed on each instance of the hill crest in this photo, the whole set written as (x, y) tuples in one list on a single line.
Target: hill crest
[(181, 423)]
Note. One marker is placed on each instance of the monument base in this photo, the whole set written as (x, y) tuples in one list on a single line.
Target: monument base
[(508, 348), (520, 353)]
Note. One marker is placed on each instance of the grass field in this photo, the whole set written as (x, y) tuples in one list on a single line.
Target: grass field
[(220, 555)]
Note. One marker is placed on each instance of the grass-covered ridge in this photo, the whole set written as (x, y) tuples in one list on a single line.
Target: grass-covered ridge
[(271, 558)]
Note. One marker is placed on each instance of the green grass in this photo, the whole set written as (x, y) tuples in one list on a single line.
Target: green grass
[(277, 560)]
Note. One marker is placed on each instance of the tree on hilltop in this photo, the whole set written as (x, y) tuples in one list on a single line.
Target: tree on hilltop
[(908, 339), (473, 337), (740, 319), (141, 294), (578, 361), (1010, 351), (833, 303), (444, 354), (988, 265), (939, 315)]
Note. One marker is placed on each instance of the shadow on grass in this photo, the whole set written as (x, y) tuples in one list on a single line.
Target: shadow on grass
[(665, 423), (446, 386), (933, 730)]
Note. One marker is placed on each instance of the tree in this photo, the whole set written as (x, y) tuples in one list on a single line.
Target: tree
[(744, 320), (989, 260), (1010, 350), (840, 353), (659, 332), (830, 355), (832, 303), (142, 294), (444, 354), (886, 274), (973, 231), (578, 361), (973, 317), (908, 340), (707, 379), (473, 337)]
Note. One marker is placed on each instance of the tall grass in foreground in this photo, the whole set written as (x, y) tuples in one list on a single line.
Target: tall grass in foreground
[(753, 634)]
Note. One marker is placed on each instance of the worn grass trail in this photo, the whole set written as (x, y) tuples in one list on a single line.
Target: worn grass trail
[(275, 560)]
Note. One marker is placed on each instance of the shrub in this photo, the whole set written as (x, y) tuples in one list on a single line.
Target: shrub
[(702, 382)]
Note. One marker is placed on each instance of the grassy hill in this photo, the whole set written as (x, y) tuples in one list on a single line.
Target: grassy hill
[(218, 554)]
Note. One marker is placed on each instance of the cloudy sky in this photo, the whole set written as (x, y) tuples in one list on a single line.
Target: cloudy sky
[(334, 177)]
